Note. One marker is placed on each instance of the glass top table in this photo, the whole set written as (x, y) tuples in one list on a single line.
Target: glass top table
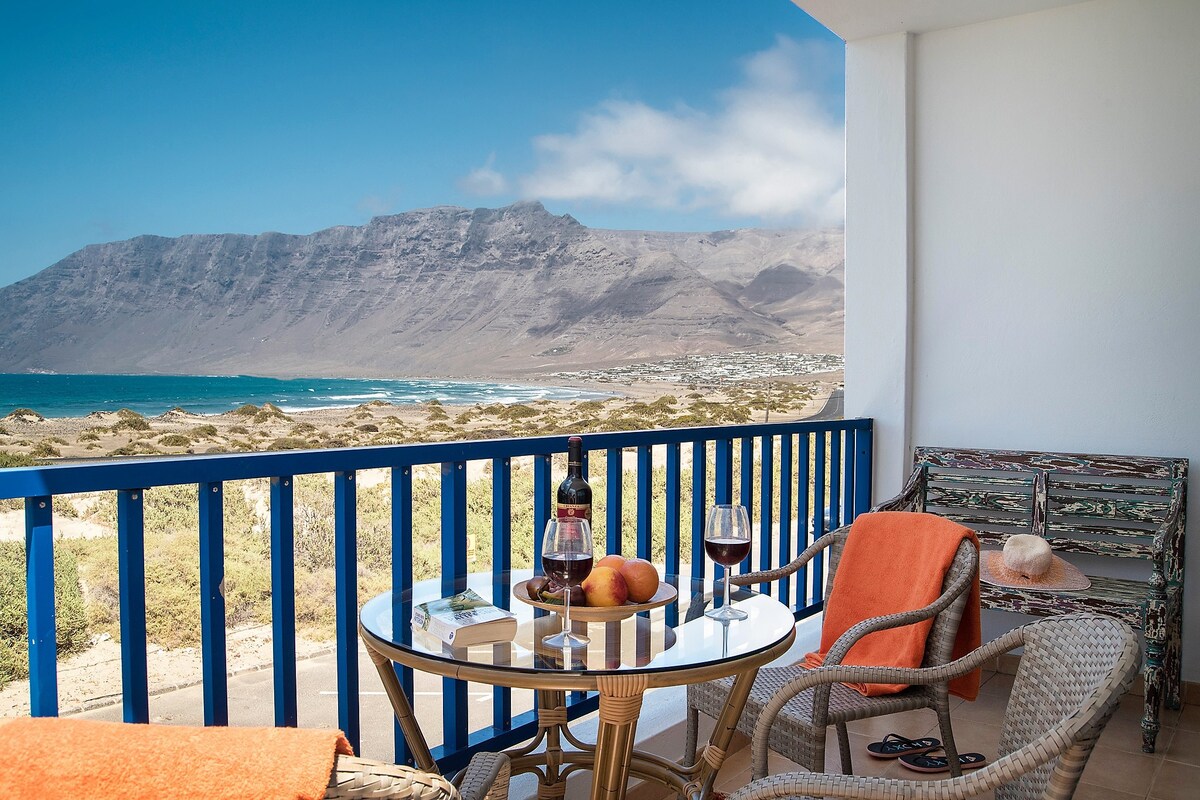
[(667, 646)]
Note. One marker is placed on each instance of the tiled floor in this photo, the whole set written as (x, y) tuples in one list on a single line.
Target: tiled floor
[(1118, 769)]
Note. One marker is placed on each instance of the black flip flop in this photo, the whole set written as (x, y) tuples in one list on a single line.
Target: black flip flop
[(930, 763), (894, 745)]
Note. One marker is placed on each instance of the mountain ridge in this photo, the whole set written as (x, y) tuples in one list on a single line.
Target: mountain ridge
[(443, 291)]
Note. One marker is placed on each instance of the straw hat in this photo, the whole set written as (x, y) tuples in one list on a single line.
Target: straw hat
[(1027, 563)]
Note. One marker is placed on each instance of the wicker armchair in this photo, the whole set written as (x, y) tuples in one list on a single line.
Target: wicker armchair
[(485, 778), (1072, 675), (799, 731)]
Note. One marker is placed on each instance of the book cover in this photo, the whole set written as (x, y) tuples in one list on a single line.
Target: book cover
[(464, 619)]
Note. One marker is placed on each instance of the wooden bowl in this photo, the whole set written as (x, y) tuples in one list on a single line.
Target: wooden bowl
[(666, 593)]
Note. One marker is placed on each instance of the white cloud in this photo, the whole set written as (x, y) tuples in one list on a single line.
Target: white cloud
[(770, 150), (484, 180)]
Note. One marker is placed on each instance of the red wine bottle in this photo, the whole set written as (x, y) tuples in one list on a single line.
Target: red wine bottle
[(574, 495)]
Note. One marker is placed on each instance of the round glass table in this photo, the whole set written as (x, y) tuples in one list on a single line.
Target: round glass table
[(668, 646)]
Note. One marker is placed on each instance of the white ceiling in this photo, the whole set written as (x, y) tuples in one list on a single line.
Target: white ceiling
[(859, 19)]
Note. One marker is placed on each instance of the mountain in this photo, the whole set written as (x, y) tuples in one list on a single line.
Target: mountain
[(442, 291)]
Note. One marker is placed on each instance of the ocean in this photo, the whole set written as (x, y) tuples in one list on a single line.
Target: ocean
[(150, 395)]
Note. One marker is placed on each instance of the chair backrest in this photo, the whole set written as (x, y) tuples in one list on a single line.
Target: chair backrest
[(1075, 667), (940, 641)]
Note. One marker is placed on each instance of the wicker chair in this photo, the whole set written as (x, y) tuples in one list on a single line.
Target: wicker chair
[(799, 731), (1072, 675), (486, 777)]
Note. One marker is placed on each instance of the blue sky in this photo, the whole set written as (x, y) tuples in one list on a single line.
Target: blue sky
[(124, 118)]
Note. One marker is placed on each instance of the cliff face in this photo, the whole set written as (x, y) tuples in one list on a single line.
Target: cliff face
[(441, 291)]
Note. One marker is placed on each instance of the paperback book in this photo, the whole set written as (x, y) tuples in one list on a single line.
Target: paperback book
[(464, 619)]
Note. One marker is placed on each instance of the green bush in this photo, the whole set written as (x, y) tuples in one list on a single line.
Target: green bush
[(247, 410), (135, 423), (17, 460), (45, 450), (288, 443), (26, 412), (174, 440), (70, 620)]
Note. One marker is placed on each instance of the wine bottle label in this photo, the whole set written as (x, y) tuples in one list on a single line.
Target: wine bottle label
[(581, 510)]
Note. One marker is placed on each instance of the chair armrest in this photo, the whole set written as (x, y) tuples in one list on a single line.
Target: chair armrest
[(848, 639), (1168, 539), (911, 497), (486, 776), (844, 673), (799, 561)]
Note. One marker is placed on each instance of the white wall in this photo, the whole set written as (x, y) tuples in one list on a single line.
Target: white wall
[(1056, 225)]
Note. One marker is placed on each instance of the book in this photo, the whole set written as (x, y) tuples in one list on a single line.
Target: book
[(464, 619)]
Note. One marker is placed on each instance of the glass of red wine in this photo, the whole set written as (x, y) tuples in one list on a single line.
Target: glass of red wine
[(567, 558), (727, 541)]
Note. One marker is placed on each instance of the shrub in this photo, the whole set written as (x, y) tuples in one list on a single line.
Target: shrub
[(288, 443), (303, 427), (25, 414), (517, 411), (239, 430), (3, 431), (175, 440), (70, 619), (369, 428), (17, 460), (247, 410), (205, 431), (89, 436), (45, 450), (135, 423), (128, 414)]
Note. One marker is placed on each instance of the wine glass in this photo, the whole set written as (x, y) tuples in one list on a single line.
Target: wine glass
[(727, 541), (567, 558)]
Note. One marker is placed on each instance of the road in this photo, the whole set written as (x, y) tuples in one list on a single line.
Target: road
[(834, 408)]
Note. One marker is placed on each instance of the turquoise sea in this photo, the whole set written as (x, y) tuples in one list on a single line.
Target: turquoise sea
[(79, 395)]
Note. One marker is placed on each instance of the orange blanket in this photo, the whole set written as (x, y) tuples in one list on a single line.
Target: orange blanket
[(48, 759), (896, 561)]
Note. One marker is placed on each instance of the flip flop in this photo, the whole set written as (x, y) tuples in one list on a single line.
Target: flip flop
[(928, 763), (894, 745)]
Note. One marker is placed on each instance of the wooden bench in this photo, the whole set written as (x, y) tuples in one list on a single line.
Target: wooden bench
[(1111, 507)]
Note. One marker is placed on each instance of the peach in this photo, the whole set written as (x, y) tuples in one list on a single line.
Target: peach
[(605, 587), (612, 560), (642, 579)]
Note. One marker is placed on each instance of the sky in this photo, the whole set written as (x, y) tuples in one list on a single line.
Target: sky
[(119, 119)]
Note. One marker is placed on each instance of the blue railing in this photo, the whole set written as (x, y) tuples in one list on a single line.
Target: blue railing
[(822, 475)]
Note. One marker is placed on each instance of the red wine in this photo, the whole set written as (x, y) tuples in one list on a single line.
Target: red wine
[(567, 568), (727, 552), (574, 497)]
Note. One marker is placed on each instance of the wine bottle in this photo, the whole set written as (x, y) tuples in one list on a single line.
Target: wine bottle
[(574, 495)]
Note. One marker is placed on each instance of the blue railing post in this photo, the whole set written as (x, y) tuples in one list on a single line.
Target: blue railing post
[(645, 498), (131, 583), (671, 516), (835, 480), (862, 470), (820, 504), (803, 524), (785, 516), (283, 601), (454, 579), (39, 599), (723, 481), (212, 603), (402, 584), (501, 567), (612, 501), (345, 567)]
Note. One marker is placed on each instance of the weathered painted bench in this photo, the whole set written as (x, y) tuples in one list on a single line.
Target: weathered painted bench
[(1115, 507)]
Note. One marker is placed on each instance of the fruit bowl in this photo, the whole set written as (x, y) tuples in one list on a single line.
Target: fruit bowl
[(665, 594)]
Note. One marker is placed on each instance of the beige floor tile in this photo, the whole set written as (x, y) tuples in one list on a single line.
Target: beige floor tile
[(1184, 748), (1189, 718), (913, 724), (1117, 769), (997, 684), (1090, 791), (1124, 730), (989, 708), (1176, 781)]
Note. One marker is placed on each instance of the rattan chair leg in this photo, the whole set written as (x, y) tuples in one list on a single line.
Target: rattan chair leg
[(693, 735), (844, 748), (947, 729)]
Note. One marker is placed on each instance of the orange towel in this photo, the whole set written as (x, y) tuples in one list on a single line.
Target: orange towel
[(896, 561), (53, 759)]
